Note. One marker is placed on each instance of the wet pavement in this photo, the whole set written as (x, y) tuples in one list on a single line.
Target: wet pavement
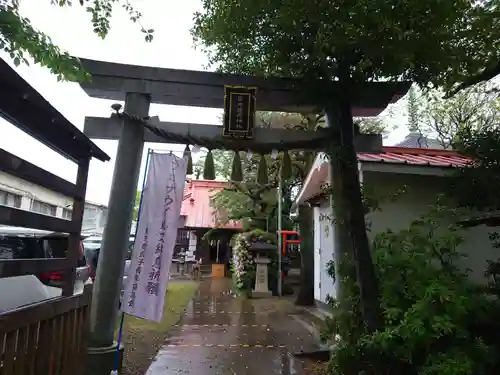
[(222, 335)]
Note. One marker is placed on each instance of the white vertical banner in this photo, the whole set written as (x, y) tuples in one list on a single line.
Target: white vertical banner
[(149, 270)]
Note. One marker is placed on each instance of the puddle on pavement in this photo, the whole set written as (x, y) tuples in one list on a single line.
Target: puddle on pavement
[(221, 335)]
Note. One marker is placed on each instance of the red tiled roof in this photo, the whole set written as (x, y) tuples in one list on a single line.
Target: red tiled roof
[(196, 205), (423, 157), (416, 156)]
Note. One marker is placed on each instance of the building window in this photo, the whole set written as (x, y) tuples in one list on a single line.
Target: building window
[(66, 213), (43, 208), (10, 199), (182, 236)]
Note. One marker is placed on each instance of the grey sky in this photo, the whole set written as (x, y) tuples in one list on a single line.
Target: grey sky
[(71, 29)]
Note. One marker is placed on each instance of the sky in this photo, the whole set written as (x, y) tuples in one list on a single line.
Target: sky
[(172, 47)]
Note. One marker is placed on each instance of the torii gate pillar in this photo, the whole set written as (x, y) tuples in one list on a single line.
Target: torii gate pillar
[(109, 278)]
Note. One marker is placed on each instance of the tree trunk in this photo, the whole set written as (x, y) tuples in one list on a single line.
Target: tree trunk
[(353, 215), (305, 296), (343, 254)]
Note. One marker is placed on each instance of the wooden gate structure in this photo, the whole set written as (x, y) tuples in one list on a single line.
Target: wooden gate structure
[(49, 337)]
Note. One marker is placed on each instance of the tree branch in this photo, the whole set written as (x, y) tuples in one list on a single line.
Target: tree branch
[(488, 73)]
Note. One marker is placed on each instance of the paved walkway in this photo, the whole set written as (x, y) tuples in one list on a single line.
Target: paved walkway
[(222, 335)]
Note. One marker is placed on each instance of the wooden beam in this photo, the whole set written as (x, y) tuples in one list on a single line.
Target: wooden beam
[(110, 128), (76, 220), (18, 167), (21, 218), (19, 267), (206, 89), (24, 107)]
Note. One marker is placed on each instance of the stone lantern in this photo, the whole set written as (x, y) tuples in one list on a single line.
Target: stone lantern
[(261, 251)]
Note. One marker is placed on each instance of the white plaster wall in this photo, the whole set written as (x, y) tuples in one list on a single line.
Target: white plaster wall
[(422, 193), (94, 217), (317, 254), (30, 191), (327, 242)]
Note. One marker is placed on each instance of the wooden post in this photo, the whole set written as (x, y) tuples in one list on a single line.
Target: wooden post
[(76, 218)]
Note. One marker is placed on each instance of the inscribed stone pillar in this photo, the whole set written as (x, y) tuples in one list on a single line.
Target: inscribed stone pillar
[(261, 277)]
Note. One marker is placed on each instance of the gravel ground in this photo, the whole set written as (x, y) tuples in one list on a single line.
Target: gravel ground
[(143, 338)]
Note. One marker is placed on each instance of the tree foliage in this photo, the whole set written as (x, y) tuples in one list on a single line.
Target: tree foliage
[(373, 125), (249, 199), (413, 110), (244, 200), (476, 185), (436, 321), (436, 335), (137, 204), (350, 42), (22, 42), (438, 42), (473, 109)]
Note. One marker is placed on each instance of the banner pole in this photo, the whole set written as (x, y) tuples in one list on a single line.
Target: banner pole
[(280, 238), (122, 315)]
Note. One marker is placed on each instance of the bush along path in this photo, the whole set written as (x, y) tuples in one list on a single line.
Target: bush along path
[(436, 320), (243, 267)]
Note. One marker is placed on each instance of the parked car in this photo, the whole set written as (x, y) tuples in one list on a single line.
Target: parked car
[(24, 243), (92, 246)]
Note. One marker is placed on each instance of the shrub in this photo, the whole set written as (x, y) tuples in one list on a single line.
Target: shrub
[(436, 321), (242, 264)]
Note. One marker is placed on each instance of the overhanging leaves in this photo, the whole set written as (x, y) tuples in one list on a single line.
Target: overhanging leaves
[(22, 41), (424, 41)]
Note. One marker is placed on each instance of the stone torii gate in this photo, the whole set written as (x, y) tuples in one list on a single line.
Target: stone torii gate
[(140, 86)]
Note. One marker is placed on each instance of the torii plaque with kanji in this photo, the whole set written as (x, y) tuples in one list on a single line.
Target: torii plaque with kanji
[(239, 112)]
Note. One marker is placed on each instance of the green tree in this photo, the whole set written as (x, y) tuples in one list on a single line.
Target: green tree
[(473, 109), (413, 109), (249, 199), (373, 125), (223, 161), (22, 41), (351, 42), (485, 58), (137, 203), (476, 186)]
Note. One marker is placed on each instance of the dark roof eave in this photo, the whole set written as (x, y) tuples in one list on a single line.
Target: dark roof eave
[(24, 107)]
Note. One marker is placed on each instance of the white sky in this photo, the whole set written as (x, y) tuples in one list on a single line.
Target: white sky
[(71, 29)]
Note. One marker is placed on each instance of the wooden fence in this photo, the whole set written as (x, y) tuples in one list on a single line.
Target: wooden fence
[(47, 338)]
